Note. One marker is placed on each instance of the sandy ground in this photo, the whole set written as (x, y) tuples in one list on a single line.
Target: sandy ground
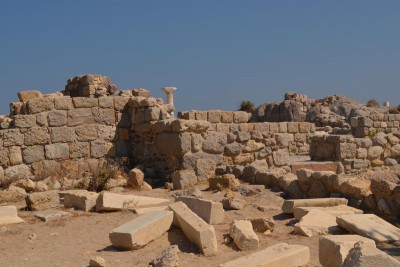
[(71, 241)]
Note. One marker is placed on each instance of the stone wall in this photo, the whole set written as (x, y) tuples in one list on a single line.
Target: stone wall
[(216, 116), (375, 123), (357, 154)]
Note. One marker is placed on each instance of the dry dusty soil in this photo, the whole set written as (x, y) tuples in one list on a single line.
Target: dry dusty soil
[(72, 240)]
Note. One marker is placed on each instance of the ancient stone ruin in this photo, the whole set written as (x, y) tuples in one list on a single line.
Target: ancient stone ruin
[(331, 159)]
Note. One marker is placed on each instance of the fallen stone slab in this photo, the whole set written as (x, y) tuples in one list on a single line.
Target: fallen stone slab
[(80, 199), (364, 255), (300, 212), (370, 226), (108, 201), (195, 228), (9, 215), (289, 205), (43, 200), (278, 255), (243, 235), (148, 210), (317, 223), (231, 203), (167, 258), (211, 212), (141, 230), (334, 249), (51, 215)]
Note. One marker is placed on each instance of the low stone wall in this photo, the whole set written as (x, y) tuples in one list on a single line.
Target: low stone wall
[(375, 123), (216, 116), (199, 145), (357, 154)]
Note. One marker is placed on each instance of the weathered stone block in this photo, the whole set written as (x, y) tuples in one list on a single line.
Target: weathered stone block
[(62, 134), (85, 102), (289, 205), (317, 223), (57, 151), (210, 211), (9, 215), (15, 155), (107, 133), (182, 179), (79, 150), (25, 96), (215, 142), (173, 143), (243, 235), (240, 117), (80, 199), (121, 102), (80, 116), (85, 133), (99, 148), (38, 105), (24, 121), (227, 117), (57, 118), (142, 230), (214, 116), (104, 116), (300, 212), (43, 200), (281, 157), (63, 103), (13, 137), (33, 154), (293, 127), (37, 136)]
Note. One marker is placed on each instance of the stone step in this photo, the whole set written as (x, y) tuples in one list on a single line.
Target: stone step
[(9, 215), (315, 166), (289, 205), (278, 255), (300, 212), (141, 230)]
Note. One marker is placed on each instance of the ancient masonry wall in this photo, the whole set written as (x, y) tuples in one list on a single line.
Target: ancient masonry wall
[(357, 154), (375, 123)]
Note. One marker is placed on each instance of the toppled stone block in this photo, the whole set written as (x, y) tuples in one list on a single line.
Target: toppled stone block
[(364, 255), (167, 258), (142, 230), (231, 203), (370, 226), (9, 215), (195, 229), (108, 201), (289, 205), (51, 215), (243, 235), (80, 199), (317, 223), (183, 179), (224, 181), (278, 255), (333, 250), (300, 212), (43, 200), (210, 211)]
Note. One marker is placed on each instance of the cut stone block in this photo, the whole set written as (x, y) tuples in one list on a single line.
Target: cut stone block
[(289, 205), (371, 226), (243, 235), (335, 210), (315, 166), (108, 201), (51, 215), (43, 200), (80, 199), (183, 179), (364, 255), (262, 225), (195, 229), (231, 203), (9, 215), (333, 250), (148, 210), (278, 255), (142, 230), (211, 212), (317, 223)]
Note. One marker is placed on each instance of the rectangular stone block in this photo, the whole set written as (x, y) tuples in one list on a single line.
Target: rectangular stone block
[(279, 255), (141, 230), (108, 201), (63, 103), (80, 116), (227, 117), (57, 151), (370, 226), (33, 154), (299, 212), (13, 137), (37, 136), (9, 215), (25, 96), (289, 205), (43, 200), (195, 229), (201, 115), (333, 250), (214, 116), (240, 117), (210, 211), (105, 116), (24, 121), (62, 134), (149, 210), (37, 105), (293, 127), (57, 118), (106, 102), (79, 150), (80, 199), (85, 102)]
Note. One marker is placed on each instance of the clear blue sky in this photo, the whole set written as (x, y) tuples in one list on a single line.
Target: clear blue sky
[(216, 52)]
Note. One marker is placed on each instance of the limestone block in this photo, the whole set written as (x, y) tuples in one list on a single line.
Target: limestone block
[(192, 126), (243, 159), (214, 116), (57, 151), (51, 215), (33, 154), (85, 102), (215, 142), (63, 103), (57, 118), (204, 168), (120, 102), (15, 155), (243, 137), (224, 181), (152, 114), (80, 117), (142, 230), (13, 137), (43, 200), (333, 250), (243, 235), (149, 210), (231, 203), (86, 133), (317, 223), (167, 258), (233, 149), (80, 199), (173, 143), (304, 127), (108, 201), (300, 212), (252, 146), (24, 121), (17, 172), (374, 152), (278, 255), (9, 215), (182, 179), (25, 96), (106, 102), (227, 117), (289, 205), (195, 229), (37, 136), (211, 212), (135, 177), (37, 105), (240, 117), (262, 225), (364, 255), (293, 127), (281, 157), (370, 226), (106, 133), (62, 134), (105, 116), (269, 177)]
